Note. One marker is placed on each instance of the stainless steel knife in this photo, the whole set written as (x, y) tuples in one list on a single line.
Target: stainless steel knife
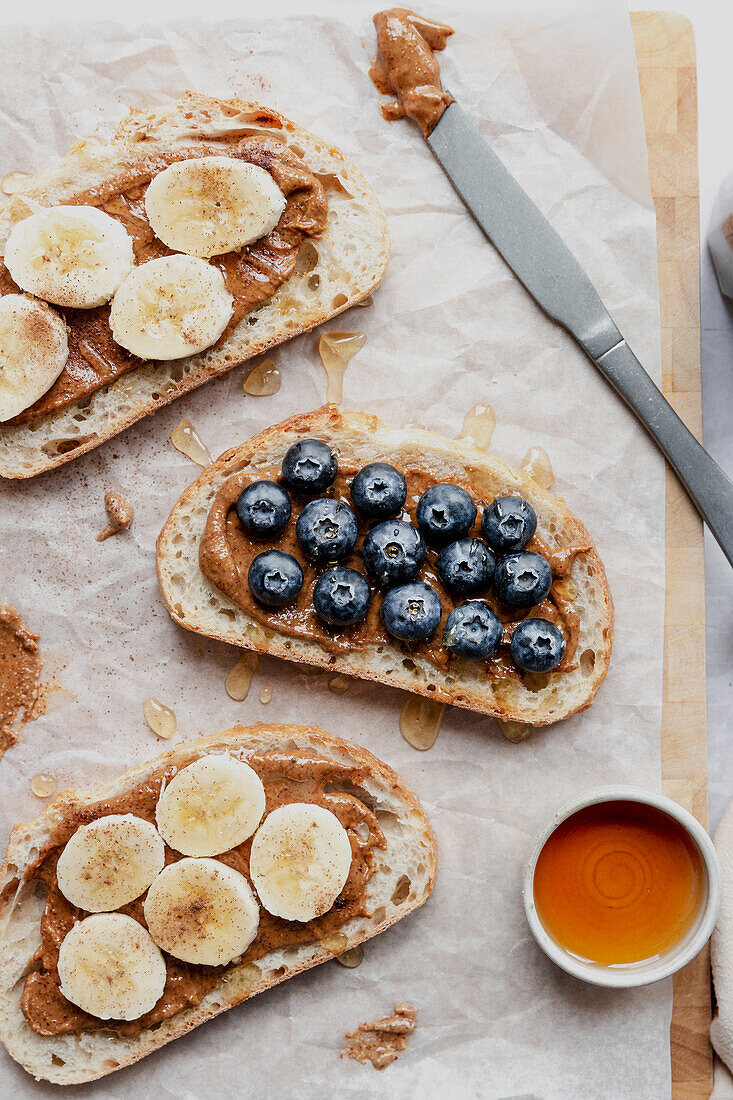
[(552, 275)]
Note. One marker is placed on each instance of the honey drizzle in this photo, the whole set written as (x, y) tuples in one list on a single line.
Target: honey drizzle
[(351, 958), (537, 464), (478, 425), (420, 721), (515, 732), (265, 694), (186, 439), (340, 684), (336, 350), (160, 718), (264, 380), (239, 678), (42, 785), (13, 181)]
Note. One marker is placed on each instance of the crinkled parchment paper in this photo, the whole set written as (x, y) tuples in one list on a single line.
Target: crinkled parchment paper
[(557, 95)]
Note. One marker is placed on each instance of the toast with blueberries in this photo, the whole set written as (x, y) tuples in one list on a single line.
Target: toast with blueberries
[(393, 555)]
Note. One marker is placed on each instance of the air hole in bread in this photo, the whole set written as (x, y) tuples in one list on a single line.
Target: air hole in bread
[(380, 913), (421, 868), (408, 663), (401, 890), (56, 1061), (228, 613), (339, 300), (362, 831), (314, 282), (63, 446), (587, 661), (307, 258), (111, 1064)]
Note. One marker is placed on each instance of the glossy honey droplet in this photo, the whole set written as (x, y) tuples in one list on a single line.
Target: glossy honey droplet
[(619, 882), (478, 425), (160, 718), (537, 464), (42, 785), (186, 439), (265, 694), (336, 350), (515, 732), (352, 957), (239, 678), (13, 182), (420, 721), (264, 380), (340, 684)]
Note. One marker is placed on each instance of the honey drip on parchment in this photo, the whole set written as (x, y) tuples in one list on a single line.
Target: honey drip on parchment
[(265, 694), (160, 718), (352, 957), (340, 684), (537, 464), (264, 380), (514, 731), (187, 440), (478, 425), (43, 786), (239, 678), (13, 182), (420, 721), (336, 350)]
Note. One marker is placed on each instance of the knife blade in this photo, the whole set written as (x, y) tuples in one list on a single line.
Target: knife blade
[(553, 276)]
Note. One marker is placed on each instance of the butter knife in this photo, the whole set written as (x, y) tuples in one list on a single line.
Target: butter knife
[(547, 268)]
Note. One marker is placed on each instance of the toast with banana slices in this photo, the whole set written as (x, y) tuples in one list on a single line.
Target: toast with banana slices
[(414, 560), (99, 969), (203, 234)]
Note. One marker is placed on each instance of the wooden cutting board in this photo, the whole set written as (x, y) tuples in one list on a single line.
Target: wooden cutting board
[(665, 49)]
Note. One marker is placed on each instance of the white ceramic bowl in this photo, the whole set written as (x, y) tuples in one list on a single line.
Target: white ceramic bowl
[(623, 976)]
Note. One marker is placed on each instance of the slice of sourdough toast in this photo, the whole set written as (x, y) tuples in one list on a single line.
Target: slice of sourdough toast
[(358, 438), (404, 878), (347, 263)]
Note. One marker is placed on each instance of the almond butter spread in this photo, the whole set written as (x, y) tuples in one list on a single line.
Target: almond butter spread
[(226, 551), (406, 66), (252, 274), (382, 1041), (120, 514), (287, 777), (20, 668)]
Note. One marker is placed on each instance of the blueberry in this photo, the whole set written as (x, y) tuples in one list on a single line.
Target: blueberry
[(326, 529), (412, 611), (341, 596), (523, 580), (473, 630), (445, 512), (537, 645), (393, 552), (264, 508), (275, 578), (508, 524), (466, 567), (378, 491), (309, 467)]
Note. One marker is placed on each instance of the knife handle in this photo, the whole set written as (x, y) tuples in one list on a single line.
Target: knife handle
[(709, 488)]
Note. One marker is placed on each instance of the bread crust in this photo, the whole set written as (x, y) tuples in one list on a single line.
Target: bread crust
[(362, 437), (36, 1053), (203, 121)]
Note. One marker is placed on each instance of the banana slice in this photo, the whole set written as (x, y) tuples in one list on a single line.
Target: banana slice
[(34, 348), (212, 205), (211, 806), (110, 967), (110, 862), (73, 256), (300, 861), (202, 911), (170, 307)]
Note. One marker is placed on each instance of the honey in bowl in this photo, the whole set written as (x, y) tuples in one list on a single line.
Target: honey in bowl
[(619, 883)]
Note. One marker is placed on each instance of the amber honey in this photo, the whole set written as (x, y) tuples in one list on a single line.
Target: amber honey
[(619, 882)]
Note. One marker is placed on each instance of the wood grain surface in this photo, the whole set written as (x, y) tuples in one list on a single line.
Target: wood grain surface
[(665, 48)]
